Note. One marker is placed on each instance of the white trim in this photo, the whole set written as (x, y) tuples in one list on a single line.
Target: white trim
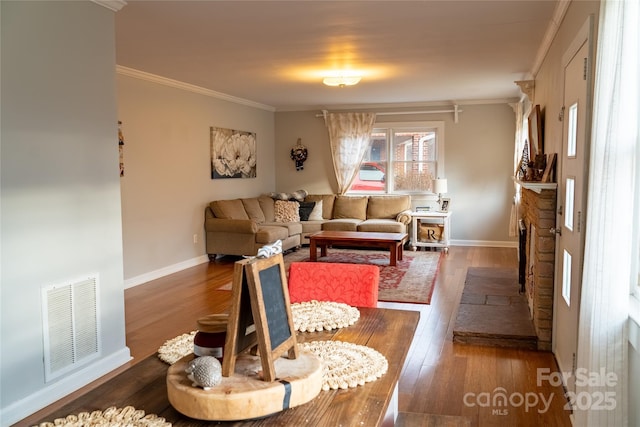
[(550, 34), (50, 393), (165, 271), (114, 5), (486, 243), (634, 322), (142, 75)]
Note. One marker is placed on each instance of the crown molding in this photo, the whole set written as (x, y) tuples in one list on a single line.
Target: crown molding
[(142, 75), (114, 5), (527, 87), (550, 34)]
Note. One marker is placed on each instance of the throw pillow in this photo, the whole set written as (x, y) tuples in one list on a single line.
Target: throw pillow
[(286, 211), (279, 196), (316, 213), (298, 195), (305, 210)]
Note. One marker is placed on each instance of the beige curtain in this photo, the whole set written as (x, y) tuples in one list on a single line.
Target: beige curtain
[(349, 135), (603, 334), (520, 138)]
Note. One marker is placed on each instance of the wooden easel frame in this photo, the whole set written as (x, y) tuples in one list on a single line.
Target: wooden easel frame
[(269, 312)]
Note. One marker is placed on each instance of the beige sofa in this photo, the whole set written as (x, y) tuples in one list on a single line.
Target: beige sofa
[(242, 226)]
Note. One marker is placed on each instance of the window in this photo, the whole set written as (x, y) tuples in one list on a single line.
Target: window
[(402, 157)]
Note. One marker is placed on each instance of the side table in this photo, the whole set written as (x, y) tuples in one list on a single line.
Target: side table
[(430, 217)]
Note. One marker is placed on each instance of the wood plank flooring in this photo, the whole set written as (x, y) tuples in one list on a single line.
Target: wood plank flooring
[(443, 383)]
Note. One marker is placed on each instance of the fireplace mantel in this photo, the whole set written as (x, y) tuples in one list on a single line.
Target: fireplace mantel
[(536, 185)]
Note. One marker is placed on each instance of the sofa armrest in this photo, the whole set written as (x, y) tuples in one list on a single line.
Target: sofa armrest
[(404, 217), (245, 226)]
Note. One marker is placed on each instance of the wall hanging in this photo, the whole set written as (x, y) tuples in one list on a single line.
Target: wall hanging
[(121, 147), (299, 154), (233, 153)]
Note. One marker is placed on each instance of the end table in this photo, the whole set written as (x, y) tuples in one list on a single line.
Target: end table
[(431, 217)]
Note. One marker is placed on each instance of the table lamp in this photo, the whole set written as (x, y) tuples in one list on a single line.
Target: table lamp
[(440, 186)]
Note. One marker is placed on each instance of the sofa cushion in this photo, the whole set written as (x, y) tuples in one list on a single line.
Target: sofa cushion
[(341, 224), (287, 211), (316, 213), (229, 209), (350, 207), (382, 226), (268, 234), (327, 203), (267, 204), (252, 207), (292, 227), (310, 227), (305, 210), (387, 207)]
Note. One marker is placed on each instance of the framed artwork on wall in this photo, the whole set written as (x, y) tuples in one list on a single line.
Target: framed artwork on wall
[(233, 153), (535, 133)]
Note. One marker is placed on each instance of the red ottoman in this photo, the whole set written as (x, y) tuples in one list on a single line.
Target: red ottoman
[(352, 284)]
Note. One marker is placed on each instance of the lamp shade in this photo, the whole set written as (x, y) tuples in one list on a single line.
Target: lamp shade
[(440, 185)]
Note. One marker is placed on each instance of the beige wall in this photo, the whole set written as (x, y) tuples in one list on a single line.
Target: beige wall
[(478, 165), (549, 83), (60, 209), (167, 181)]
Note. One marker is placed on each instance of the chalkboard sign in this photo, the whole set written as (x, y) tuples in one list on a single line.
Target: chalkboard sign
[(274, 304), (260, 316), (241, 328)]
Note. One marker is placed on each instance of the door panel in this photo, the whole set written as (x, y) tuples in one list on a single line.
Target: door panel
[(571, 201)]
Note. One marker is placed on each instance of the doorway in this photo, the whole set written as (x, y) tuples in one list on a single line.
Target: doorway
[(571, 203)]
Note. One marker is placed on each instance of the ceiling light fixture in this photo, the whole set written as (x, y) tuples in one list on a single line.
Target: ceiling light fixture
[(341, 81)]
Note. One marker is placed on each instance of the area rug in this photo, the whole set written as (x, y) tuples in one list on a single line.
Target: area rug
[(412, 280)]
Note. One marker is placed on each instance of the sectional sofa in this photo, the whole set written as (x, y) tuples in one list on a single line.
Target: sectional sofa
[(242, 226)]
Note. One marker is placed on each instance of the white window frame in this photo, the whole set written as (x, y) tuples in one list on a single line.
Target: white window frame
[(390, 128)]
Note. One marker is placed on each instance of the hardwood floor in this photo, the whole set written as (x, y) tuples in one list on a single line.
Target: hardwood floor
[(481, 386)]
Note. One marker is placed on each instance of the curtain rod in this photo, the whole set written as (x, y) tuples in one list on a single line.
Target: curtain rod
[(455, 112)]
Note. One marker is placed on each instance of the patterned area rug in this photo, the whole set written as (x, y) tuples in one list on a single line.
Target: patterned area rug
[(412, 280)]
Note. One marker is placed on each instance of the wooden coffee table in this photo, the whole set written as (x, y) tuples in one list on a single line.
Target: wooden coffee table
[(322, 239)]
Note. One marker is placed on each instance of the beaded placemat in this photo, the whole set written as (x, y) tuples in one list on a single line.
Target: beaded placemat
[(307, 317), (110, 417), (176, 348), (322, 315), (347, 365)]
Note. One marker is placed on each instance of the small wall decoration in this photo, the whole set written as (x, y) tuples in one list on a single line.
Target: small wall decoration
[(233, 153), (121, 147), (299, 154)]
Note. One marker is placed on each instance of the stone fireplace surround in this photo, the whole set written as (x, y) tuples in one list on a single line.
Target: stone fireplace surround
[(538, 212)]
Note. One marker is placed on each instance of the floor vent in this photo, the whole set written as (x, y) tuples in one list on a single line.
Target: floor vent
[(71, 325)]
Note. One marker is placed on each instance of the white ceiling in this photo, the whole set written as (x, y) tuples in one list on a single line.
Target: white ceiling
[(275, 52)]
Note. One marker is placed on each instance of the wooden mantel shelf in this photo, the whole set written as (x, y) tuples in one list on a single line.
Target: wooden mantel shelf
[(536, 186)]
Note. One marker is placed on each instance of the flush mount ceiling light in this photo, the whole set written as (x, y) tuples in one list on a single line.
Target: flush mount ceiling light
[(341, 81)]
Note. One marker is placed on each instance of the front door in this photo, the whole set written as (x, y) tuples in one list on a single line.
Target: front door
[(571, 202)]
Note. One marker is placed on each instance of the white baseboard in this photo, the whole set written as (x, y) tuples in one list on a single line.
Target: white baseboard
[(485, 243), (165, 271), (48, 394)]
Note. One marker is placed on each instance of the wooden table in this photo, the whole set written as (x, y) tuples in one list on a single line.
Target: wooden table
[(144, 385), (393, 241)]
